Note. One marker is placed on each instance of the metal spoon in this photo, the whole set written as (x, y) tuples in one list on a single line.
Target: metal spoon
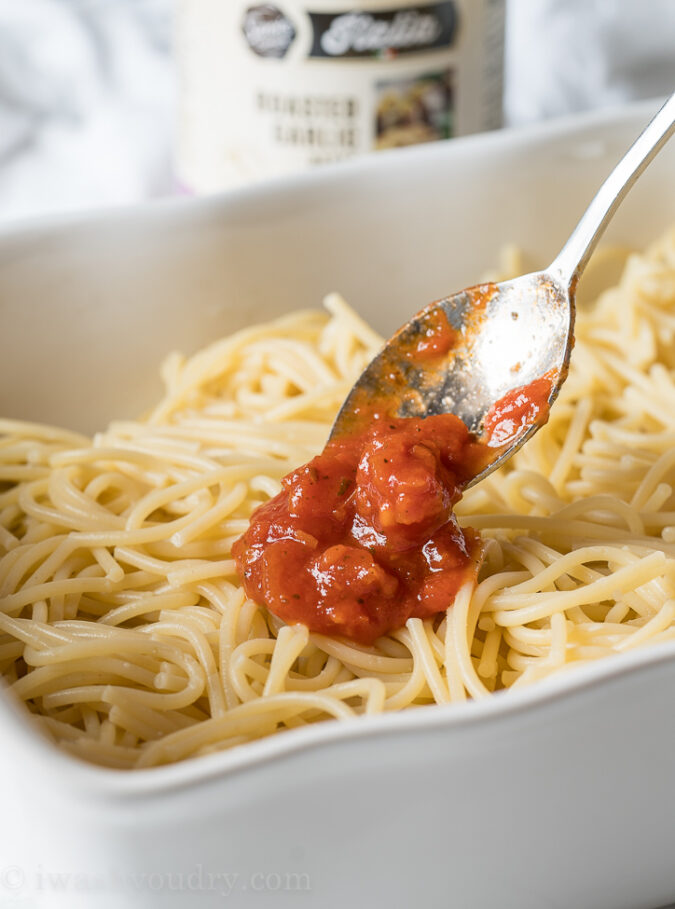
[(504, 336)]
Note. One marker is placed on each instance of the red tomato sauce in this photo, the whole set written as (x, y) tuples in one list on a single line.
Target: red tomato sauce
[(363, 537), (513, 414), (435, 336)]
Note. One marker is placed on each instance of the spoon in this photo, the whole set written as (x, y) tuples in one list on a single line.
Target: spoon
[(482, 347)]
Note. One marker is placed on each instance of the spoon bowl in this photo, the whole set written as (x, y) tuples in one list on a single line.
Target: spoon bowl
[(494, 347), (497, 349)]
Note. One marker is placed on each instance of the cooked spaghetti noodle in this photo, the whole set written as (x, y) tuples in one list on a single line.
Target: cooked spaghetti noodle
[(123, 625)]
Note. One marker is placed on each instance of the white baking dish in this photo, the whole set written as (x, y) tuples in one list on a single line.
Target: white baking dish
[(561, 795)]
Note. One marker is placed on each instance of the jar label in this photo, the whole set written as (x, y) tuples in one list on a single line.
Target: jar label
[(385, 33)]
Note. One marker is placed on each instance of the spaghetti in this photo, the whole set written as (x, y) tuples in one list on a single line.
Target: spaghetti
[(124, 627)]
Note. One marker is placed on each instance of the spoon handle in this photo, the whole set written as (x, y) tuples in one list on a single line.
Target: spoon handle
[(575, 254)]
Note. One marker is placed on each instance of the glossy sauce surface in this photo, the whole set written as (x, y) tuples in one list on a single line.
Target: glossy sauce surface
[(363, 536), (519, 409)]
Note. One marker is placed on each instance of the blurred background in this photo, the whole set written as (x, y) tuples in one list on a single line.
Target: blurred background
[(88, 88)]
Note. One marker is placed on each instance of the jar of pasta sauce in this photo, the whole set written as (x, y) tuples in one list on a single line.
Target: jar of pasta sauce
[(275, 88)]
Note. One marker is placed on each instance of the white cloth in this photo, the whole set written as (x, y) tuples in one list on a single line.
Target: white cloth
[(564, 56), (86, 100)]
